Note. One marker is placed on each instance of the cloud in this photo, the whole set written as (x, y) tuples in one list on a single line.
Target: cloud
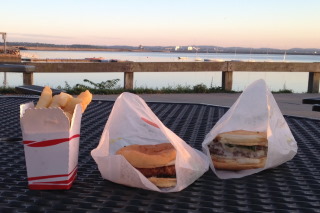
[(40, 36)]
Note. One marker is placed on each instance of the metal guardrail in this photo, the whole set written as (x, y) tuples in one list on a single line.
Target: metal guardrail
[(227, 68), (25, 69)]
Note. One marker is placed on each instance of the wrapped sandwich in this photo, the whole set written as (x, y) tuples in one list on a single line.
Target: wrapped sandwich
[(239, 150), (136, 149), (156, 162)]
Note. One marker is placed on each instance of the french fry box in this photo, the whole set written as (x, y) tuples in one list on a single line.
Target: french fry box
[(255, 110), (131, 121), (51, 146)]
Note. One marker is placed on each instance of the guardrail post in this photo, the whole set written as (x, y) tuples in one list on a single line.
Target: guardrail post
[(227, 77), (313, 82), (128, 80), (28, 78)]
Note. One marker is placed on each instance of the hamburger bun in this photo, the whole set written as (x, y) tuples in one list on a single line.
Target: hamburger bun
[(234, 164), (156, 162), (163, 182), (149, 156), (244, 138), (239, 150)]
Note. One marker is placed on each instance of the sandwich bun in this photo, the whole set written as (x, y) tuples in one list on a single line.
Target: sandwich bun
[(155, 162), (239, 150), (243, 138), (238, 164), (163, 182), (149, 156)]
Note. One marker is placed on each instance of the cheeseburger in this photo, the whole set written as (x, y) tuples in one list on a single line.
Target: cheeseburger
[(239, 150), (156, 162)]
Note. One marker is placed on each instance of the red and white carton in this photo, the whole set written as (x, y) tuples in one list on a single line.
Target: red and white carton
[(51, 146)]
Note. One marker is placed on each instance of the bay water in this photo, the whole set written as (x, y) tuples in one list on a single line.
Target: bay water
[(275, 80)]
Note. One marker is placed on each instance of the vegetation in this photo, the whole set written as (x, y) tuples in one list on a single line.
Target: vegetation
[(284, 90), (7, 90), (112, 87)]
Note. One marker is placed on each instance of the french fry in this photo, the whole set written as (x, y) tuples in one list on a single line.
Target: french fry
[(86, 98), (45, 98), (60, 100), (69, 115), (69, 107), (65, 101)]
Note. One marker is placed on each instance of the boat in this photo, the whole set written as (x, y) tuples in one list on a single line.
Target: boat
[(94, 59), (284, 56), (182, 57), (213, 60), (198, 59), (117, 60)]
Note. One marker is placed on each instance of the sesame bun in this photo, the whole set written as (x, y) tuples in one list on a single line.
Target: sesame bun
[(243, 138), (149, 156)]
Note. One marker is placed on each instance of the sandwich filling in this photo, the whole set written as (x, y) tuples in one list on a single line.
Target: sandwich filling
[(161, 172), (233, 151), (151, 160)]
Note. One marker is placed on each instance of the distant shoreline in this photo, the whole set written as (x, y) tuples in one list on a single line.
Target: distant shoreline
[(82, 49), (124, 49), (192, 49), (141, 50)]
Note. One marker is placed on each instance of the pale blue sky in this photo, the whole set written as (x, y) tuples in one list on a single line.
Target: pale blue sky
[(250, 23)]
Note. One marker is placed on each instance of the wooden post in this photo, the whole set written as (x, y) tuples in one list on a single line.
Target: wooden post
[(227, 76), (28, 78), (227, 80), (128, 80), (313, 82)]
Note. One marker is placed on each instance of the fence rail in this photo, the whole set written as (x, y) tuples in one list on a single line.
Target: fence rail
[(129, 68)]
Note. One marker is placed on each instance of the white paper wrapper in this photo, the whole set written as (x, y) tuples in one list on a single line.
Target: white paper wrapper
[(132, 122), (256, 110)]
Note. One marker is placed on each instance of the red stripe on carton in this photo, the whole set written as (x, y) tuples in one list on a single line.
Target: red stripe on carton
[(53, 185), (52, 176), (49, 142)]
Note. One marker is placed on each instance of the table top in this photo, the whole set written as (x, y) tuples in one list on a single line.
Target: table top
[(291, 187)]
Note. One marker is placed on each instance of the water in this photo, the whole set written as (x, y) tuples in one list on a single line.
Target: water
[(276, 81)]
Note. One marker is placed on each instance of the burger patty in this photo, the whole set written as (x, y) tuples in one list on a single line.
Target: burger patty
[(165, 171), (228, 150)]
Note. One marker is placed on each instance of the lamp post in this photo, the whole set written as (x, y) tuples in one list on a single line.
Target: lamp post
[(4, 37)]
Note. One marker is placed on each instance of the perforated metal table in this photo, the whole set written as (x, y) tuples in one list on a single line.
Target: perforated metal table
[(291, 187)]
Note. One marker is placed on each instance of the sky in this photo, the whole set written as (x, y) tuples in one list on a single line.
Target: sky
[(280, 24)]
